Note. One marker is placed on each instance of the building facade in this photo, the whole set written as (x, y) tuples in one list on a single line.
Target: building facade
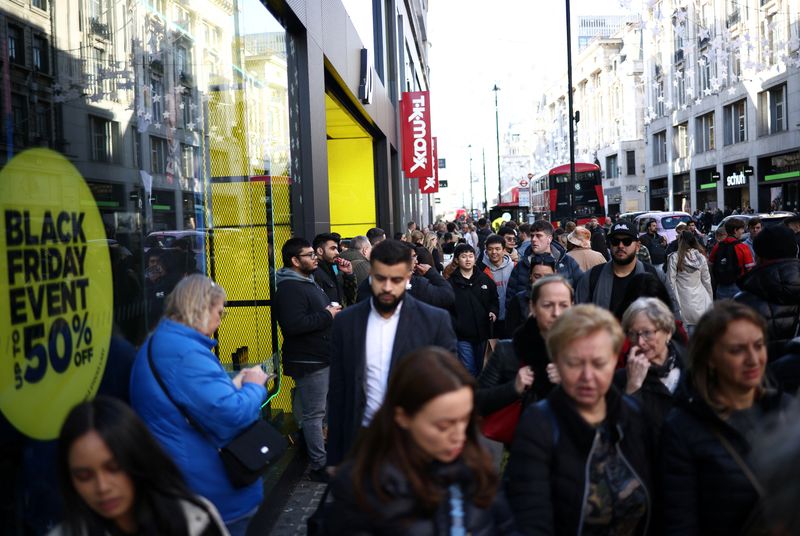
[(723, 105), (608, 96)]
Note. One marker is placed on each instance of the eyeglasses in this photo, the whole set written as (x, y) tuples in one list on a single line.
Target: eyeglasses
[(311, 255), (615, 241), (647, 335)]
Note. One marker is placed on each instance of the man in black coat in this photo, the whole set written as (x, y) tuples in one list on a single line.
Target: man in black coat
[(655, 243), (475, 309), (370, 337), (334, 274), (305, 316)]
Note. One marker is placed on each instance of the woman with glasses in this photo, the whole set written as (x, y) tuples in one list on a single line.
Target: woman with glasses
[(709, 487), (655, 362), (580, 460), (688, 273), (178, 359)]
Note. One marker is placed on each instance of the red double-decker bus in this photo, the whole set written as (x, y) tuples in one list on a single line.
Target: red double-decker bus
[(579, 201)]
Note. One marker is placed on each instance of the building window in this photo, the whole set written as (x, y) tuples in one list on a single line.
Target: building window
[(736, 122), (660, 147), (40, 4), (706, 72), (187, 161), (19, 118), (158, 155), (612, 170), (679, 83), (681, 137), (156, 96), (102, 133), (772, 111), (659, 104), (630, 164), (16, 45), (704, 133), (96, 70), (40, 56), (43, 123)]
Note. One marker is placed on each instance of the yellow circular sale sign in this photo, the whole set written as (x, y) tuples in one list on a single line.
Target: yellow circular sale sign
[(56, 297)]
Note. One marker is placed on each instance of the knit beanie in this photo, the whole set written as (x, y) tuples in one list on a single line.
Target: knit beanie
[(775, 242)]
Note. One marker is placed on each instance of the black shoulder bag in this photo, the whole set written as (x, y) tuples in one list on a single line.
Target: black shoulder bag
[(247, 455)]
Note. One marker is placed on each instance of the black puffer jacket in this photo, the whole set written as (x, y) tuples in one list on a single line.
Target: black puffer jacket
[(496, 382), (401, 515), (546, 473), (476, 297), (773, 289), (704, 490), (785, 371)]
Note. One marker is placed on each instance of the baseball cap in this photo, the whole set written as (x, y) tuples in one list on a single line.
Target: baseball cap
[(625, 229)]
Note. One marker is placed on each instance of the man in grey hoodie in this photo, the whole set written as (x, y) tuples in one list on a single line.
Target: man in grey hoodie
[(497, 265), (305, 315)]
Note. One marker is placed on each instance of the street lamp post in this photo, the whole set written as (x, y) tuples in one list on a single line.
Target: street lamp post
[(570, 110), (485, 196), (497, 133), (471, 202)]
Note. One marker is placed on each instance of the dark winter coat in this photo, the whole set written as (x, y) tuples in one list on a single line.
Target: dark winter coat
[(546, 473), (496, 382), (419, 325), (483, 234), (654, 397), (401, 515), (598, 242), (773, 289), (705, 492), (299, 306), (335, 285), (656, 245), (430, 288), (476, 297), (785, 371)]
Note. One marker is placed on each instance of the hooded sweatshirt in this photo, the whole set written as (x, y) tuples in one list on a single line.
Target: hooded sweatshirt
[(501, 276)]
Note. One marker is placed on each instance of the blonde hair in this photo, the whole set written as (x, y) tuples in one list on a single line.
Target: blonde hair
[(654, 309), (581, 321), (416, 237), (190, 301)]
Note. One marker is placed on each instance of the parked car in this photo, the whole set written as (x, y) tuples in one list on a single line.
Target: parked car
[(666, 222), (768, 219), (631, 216)]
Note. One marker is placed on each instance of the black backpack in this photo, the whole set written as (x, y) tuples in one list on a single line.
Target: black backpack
[(726, 265)]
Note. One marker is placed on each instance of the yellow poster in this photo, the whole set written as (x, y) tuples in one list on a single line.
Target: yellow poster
[(56, 297)]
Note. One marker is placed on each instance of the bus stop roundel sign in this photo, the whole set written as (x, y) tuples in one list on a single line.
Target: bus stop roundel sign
[(56, 296)]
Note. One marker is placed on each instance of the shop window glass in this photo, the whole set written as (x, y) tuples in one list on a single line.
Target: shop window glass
[(180, 141)]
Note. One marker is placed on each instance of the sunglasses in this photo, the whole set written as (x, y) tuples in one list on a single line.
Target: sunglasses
[(615, 241)]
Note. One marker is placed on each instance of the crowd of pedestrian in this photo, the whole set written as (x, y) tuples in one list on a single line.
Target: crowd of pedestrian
[(539, 379)]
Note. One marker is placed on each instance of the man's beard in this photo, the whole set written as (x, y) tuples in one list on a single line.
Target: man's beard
[(625, 260), (386, 306)]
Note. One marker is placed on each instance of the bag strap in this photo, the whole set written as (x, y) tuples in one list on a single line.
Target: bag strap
[(183, 412), (457, 527), (740, 462)]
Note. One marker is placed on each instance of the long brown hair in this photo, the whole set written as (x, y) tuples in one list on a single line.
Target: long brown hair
[(707, 334), (420, 377), (687, 241)]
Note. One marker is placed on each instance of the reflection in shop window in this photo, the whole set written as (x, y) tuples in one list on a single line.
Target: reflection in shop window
[(156, 96), (102, 133), (158, 155)]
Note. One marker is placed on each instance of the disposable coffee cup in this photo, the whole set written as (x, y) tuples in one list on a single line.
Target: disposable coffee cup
[(335, 304)]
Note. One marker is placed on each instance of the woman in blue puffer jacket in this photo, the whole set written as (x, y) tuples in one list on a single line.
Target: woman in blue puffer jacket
[(181, 352)]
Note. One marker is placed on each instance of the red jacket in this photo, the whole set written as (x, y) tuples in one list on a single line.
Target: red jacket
[(743, 255)]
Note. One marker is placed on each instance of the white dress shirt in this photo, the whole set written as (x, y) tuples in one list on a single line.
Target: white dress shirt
[(378, 350)]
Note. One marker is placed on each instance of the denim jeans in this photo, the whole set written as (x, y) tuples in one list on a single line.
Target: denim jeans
[(471, 355), (725, 292), (312, 389)]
